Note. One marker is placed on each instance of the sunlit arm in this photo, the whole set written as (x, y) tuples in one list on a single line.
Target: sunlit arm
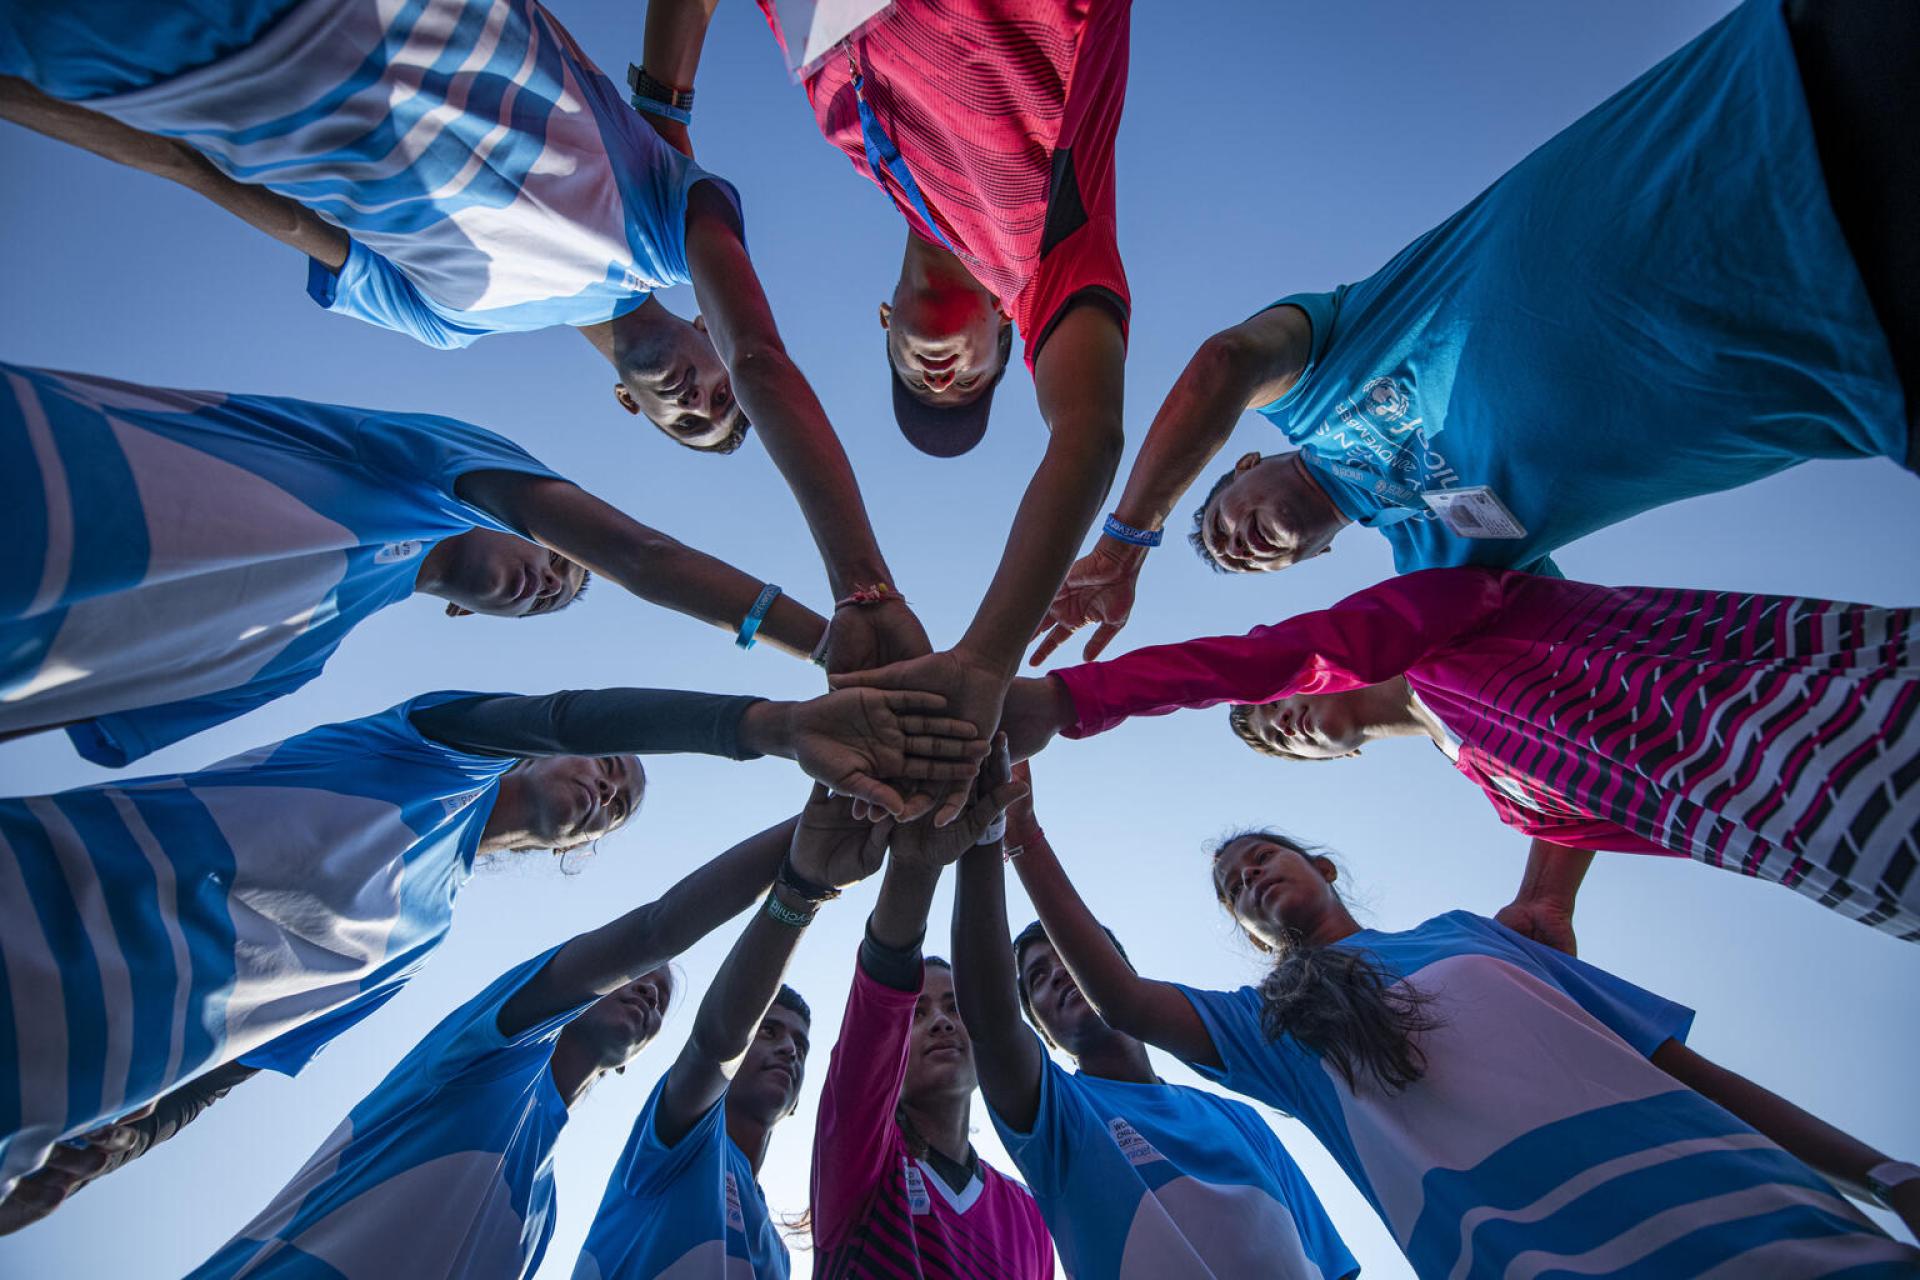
[(646, 562), (285, 220), (1007, 1055)]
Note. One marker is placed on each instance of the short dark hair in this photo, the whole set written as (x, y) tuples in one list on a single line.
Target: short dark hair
[(1037, 932), (1197, 536), (936, 962), (1338, 1002), (787, 998)]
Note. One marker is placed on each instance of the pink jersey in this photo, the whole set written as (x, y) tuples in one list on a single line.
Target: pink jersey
[(1775, 736), (878, 1211)]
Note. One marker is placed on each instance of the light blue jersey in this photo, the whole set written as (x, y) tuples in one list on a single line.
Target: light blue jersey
[(1656, 304), (492, 178), (178, 558), (681, 1212), (1541, 1141), (1142, 1181), (253, 910), (444, 1170)]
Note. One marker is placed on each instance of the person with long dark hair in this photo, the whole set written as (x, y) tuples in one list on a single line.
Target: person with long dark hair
[(1135, 1176), (155, 929), (898, 1189), (1775, 736), (446, 1168), (1502, 1106), (1707, 279)]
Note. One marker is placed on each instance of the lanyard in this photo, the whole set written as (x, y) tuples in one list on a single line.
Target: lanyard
[(1407, 501), (882, 154)]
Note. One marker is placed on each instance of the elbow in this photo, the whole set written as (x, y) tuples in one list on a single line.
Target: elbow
[(1225, 357), (758, 359)]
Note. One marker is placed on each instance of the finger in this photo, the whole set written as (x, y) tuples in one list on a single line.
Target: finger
[(939, 726), (1054, 640), (898, 700), (946, 748), (953, 804), (875, 792), (921, 769), (1102, 636), (999, 766), (919, 805)]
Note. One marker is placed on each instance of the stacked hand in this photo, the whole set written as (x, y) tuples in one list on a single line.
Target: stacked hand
[(932, 846), (1099, 589), (863, 636), (1546, 922), (834, 848), (855, 740), (969, 690)]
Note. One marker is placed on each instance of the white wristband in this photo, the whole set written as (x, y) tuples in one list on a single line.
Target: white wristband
[(996, 831)]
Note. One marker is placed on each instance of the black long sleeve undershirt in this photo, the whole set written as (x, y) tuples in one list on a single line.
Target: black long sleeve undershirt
[(591, 722)]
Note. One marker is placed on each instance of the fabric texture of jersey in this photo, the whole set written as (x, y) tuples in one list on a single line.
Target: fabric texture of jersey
[(1541, 1141), (1150, 1181), (252, 910), (1770, 735), (492, 178), (690, 1211), (1005, 112), (880, 1212), (1656, 304), (444, 1170), (138, 611)]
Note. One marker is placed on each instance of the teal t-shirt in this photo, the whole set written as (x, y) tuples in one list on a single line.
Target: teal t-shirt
[(1656, 304)]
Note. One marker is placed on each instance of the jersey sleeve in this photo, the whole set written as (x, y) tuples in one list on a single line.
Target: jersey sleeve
[(368, 287), (289, 1052), (117, 740), (426, 453), (1321, 310), (853, 1135), (471, 1034), (649, 1166), (1044, 1153), (1369, 637), (1644, 1020), (1250, 1064)]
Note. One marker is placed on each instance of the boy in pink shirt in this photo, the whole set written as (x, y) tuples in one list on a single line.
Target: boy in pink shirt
[(898, 1190)]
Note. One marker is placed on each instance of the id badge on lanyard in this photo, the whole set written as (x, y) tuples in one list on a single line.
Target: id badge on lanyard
[(1474, 511)]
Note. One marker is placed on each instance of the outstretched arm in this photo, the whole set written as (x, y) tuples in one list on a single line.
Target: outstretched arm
[(286, 221), (1006, 1053), (647, 937), (1844, 1159), (1156, 1012), (676, 33), (1543, 907), (1250, 364), (782, 407), (830, 847), (648, 563)]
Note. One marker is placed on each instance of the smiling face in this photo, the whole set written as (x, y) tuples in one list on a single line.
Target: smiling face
[(944, 341), (767, 1085), (1271, 515), (621, 1023), (571, 800), (1310, 726), (939, 1054), (1055, 1000), (1273, 890), (682, 387), (485, 571)]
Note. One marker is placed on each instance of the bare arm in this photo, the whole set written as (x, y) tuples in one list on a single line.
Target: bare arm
[(1250, 364), (1156, 1012), (1543, 907), (647, 937), (1844, 1159), (1006, 1053), (286, 221), (676, 34), (776, 396), (648, 563)]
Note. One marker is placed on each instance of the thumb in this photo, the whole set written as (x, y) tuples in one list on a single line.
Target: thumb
[(888, 677)]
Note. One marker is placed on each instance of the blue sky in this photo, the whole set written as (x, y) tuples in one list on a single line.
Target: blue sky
[(1268, 147)]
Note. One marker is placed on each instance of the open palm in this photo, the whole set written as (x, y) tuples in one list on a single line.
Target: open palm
[(858, 741), (1099, 588), (972, 694), (834, 848)]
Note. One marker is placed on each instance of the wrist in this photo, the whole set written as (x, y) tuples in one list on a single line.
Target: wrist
[(1121, 551), (788, 908), (766, 728), (1061, 713), (1138, 538)]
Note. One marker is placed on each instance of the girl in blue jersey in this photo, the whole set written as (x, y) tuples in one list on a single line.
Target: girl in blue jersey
[(1135, 1176), (177, 558), (1505, 1108), (250, 912), (446, 1168)]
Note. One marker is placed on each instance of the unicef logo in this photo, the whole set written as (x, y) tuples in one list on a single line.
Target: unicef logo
[(1384, 401)]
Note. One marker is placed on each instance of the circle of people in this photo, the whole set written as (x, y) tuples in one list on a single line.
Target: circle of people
[(454, 169)]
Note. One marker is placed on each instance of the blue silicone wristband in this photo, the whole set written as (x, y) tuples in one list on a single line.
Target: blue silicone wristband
[(750, 625), (667, 111), (1116, 528)]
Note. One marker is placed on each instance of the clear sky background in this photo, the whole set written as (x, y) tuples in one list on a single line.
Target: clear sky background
[(1268, 146)]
